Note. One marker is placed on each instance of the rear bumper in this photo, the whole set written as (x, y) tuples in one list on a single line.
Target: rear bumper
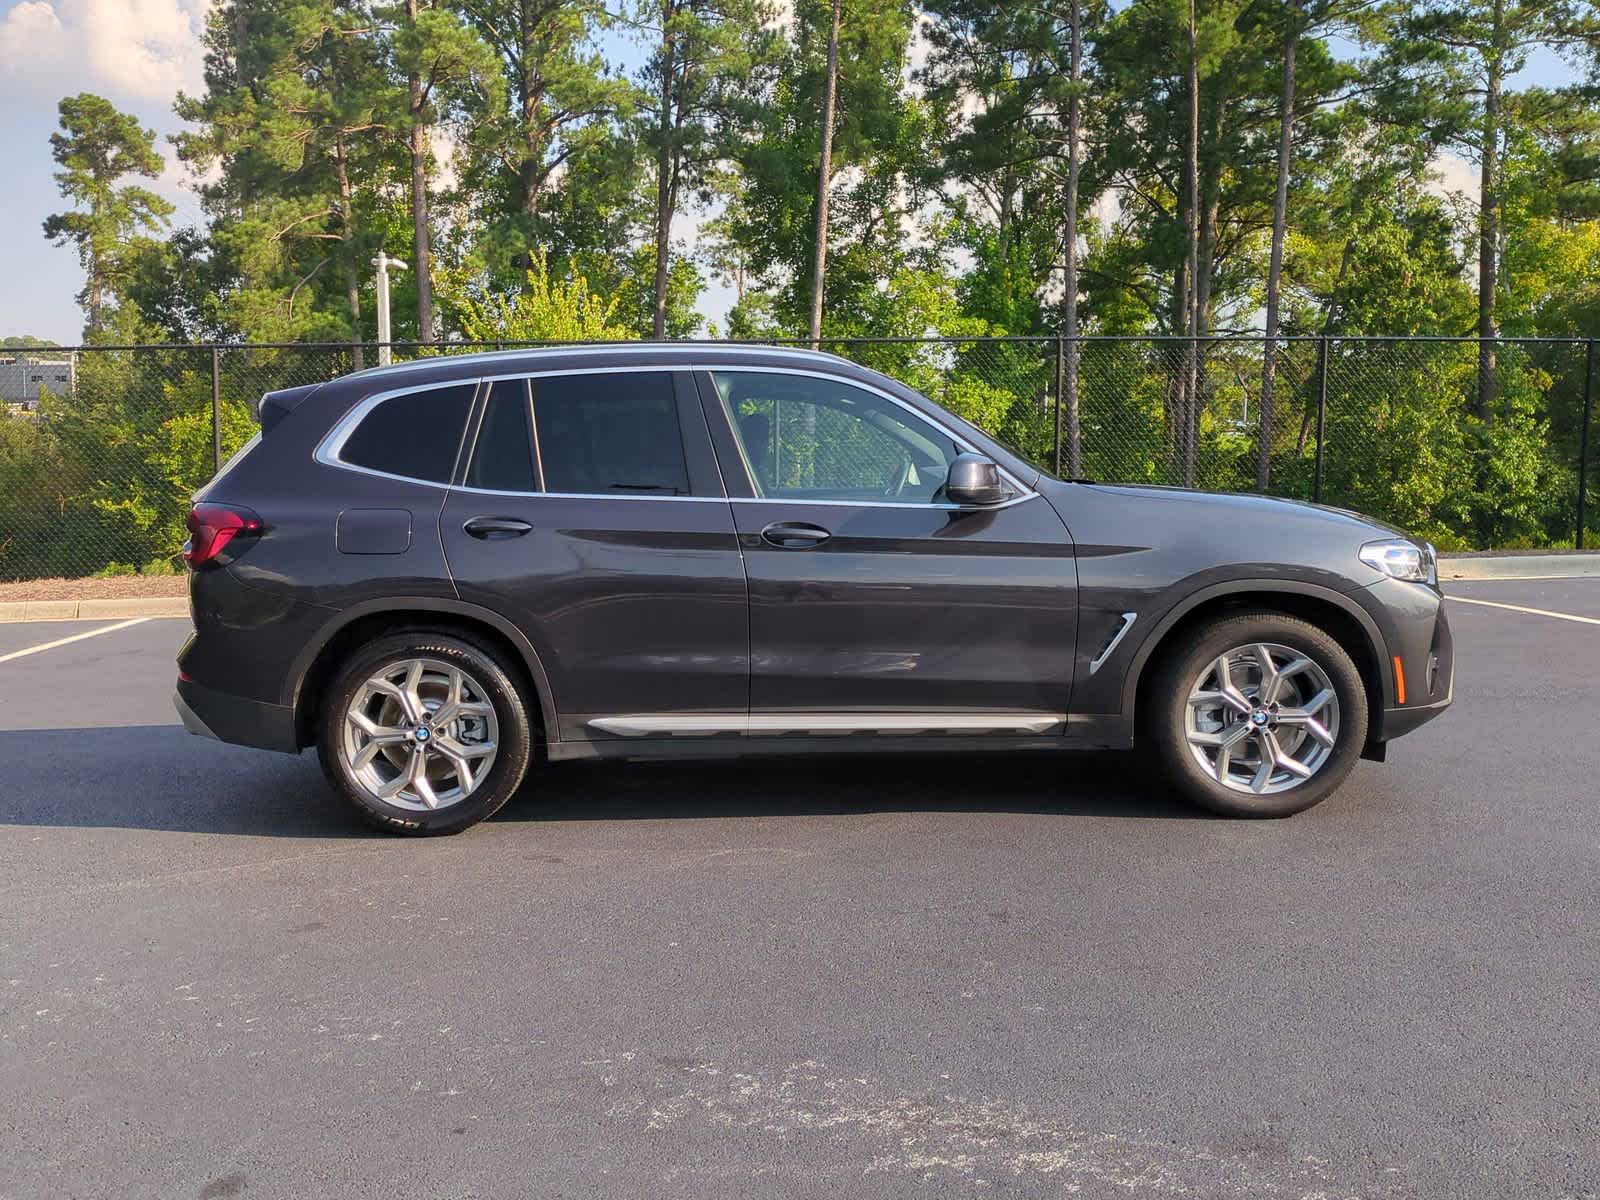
[(210, 713)]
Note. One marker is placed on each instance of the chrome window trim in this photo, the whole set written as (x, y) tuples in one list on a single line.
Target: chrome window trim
[(327, 452), (472, 491)]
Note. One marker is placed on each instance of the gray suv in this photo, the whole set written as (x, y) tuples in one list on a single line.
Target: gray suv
[(440, 572)]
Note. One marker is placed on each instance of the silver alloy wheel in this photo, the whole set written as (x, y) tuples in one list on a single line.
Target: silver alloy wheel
[(420, 734), (1262, 718)]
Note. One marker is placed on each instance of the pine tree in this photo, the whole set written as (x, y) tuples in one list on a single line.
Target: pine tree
[(96, 149)]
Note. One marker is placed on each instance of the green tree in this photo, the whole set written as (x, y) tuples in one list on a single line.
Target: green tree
[(96, 149), (1006, 84), (696, 102), (546, 310), (1456, 58), (561, 103), (443, 59), (879, 137), (297, 127)]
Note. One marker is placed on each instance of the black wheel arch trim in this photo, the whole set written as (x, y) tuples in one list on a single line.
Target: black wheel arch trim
[(400, 605), (1154, 635)]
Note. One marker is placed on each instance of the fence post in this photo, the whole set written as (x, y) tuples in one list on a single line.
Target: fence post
[(1322, 414), (1583, 445), (1061, 382), (216, 410)]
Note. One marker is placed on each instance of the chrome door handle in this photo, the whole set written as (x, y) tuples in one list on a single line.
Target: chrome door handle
[(489, 529), (794, 535)]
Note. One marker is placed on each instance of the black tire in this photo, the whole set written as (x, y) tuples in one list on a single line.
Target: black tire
[(1187, 665), (500, 687)]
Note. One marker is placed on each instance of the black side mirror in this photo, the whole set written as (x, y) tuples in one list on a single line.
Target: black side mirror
[(974, 479)]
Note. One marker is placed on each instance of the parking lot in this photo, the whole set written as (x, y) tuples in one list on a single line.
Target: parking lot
[(1032, 976)]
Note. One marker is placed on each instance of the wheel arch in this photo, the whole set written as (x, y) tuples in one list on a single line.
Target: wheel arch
[(1334, 612), (315, 663)]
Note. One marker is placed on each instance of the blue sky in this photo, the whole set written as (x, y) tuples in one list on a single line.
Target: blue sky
[(138, 54)]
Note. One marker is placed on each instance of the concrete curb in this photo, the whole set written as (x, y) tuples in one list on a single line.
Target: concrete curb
[(1520, 566), (93, 610)]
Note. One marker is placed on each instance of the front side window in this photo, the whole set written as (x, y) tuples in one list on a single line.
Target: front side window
[(610, 433), (415, 434), (810, 438)]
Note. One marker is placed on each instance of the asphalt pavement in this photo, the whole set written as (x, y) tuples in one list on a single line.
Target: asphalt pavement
[(1035, 976)]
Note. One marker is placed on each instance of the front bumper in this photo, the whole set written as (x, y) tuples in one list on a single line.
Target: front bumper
[(1417, 632), (210, 713)]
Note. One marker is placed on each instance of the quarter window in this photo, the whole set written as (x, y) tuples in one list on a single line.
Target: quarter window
[(415, 434), (610, 432), (809, 438)]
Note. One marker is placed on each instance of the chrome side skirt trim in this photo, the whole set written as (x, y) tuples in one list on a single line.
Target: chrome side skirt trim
[(1099, 660), (827, 723)]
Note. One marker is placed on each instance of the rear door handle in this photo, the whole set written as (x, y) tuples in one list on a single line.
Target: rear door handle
[(490, 529), (794, 535)]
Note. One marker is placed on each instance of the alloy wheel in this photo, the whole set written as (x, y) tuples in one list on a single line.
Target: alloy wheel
[(1262, 718), (420, 734)]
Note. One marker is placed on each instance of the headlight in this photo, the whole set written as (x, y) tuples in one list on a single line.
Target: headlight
[(1403, 559)]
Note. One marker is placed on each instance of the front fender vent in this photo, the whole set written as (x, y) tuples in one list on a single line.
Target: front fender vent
[(1117, 633)]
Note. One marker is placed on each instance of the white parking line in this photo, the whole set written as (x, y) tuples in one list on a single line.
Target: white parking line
[(1538, 612), (78, 637)]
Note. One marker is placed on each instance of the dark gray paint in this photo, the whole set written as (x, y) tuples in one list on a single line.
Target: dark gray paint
[(373, 531), (694, 604)]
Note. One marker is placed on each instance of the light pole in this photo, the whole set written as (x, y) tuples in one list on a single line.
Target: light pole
[(383, 262)]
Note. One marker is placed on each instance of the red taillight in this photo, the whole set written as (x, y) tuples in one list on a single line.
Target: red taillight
[(213, 527)]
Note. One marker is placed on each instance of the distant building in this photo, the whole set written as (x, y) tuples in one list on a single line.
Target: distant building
[(22, 375)]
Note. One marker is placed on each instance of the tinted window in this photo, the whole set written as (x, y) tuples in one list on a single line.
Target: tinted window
[(415, 435), (503, 458), (821, 439), (609, 432)]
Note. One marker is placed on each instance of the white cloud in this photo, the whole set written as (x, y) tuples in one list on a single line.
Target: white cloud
[(129, 49)]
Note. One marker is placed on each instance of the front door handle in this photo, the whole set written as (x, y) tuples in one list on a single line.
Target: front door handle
[(491, 529), (794, 535)]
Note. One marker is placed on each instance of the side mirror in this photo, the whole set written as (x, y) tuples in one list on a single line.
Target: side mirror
[(974, 479)]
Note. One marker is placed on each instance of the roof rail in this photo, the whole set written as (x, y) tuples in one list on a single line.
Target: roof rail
[(682, 349)]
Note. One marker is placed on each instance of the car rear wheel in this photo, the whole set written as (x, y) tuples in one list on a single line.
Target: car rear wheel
[(424, 732), (1259, 714)]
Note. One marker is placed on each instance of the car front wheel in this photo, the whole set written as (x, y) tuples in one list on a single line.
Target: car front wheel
[(424, 732), (1259, 714)]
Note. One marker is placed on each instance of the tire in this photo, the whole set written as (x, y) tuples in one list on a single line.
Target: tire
[(1191, 738), (372, 764)]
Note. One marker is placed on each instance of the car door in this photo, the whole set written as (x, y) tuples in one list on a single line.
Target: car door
[(872, 597), (590, 513)]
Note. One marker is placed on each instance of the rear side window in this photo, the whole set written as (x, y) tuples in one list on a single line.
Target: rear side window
[(415, 434), (610, 432), (503, 458)]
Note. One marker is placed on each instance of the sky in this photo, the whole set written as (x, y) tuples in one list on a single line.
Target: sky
[(139, 54)]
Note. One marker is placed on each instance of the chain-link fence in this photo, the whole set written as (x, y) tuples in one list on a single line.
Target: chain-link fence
[(101, 447)]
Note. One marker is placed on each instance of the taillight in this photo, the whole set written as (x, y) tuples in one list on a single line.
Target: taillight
[(214, 528)]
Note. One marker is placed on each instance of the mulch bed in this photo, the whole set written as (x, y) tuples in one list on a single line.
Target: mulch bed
[(113, 587)]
